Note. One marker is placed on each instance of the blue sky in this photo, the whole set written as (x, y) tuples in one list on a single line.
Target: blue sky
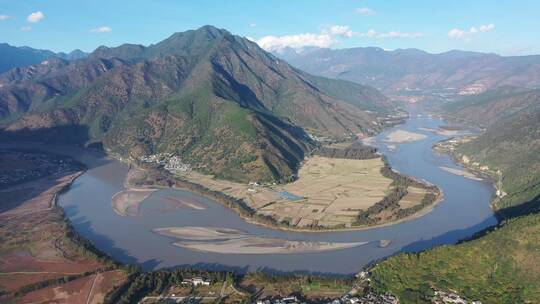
[(499, 26)]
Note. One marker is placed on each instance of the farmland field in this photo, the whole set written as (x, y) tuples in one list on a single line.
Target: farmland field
[(329, 192)]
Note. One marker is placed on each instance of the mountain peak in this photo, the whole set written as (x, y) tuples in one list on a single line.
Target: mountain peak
[(206, 31), (212, 30)]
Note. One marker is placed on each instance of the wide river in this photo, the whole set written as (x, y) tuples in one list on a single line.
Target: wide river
[(464, 211)]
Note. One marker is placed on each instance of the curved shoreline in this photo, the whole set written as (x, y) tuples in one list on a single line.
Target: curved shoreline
[(363, 259), (253, 220), (232, 203)]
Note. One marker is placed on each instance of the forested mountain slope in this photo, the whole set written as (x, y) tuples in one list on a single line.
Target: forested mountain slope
[(217, 100)]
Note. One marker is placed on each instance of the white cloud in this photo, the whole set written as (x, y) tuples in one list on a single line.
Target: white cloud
[(371, 33), (456, 33), (4, 17), (26, 29), (365, 11), (252, 24), (326, 38), (278, 43), (487, 27), (35, 17), (101, 29), (392, 34), (340, 30)]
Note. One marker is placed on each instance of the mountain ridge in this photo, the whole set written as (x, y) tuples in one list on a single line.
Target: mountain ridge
[(219, 101), (402, 70), (15, 57)]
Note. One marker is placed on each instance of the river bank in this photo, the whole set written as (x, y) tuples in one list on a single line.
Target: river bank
[(168, 180), (443, 223), (46, 253), (473, 170)]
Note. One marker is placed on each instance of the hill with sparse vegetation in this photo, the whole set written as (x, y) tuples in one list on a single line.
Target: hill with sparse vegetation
[(216, 100)]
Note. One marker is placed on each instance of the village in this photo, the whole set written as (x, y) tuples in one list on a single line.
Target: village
[(170, 162), (200, 289)]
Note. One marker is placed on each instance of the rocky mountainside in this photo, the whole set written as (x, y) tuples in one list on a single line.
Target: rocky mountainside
[(493, 106), (511, 141), (14, 57), (217, 100), (408, 70), (511, 146), (499, 265)]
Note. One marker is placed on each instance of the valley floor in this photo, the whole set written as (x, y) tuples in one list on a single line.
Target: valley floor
[(41, 258), (329, 194)]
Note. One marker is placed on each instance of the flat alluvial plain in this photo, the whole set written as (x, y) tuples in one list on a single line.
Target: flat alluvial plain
[(329, 192)]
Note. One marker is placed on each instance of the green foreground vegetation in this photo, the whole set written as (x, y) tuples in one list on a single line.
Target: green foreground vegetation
[(501, 265)]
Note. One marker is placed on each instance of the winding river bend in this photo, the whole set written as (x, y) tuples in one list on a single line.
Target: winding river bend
[(464, 211)]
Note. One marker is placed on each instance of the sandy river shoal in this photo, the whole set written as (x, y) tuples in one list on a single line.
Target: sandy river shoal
[(231, 241), (127, 202)]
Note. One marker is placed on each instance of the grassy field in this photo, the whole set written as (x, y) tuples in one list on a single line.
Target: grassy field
[(329, 193)]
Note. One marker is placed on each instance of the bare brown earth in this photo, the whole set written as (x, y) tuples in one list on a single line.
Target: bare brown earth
[(36, 243), (89, 289)]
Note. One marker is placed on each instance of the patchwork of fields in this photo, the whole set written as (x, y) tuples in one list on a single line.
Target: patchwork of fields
[(329, 193)]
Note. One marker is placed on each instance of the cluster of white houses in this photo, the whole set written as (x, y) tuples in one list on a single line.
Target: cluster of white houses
[(196, 281), (170, 162)]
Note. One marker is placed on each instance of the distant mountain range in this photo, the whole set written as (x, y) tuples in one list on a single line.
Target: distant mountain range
[(494, 106), (14, 57), (219, 101), (409, 70)]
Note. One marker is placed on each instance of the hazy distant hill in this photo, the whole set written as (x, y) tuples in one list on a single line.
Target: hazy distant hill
[(511, 142), (219, 101), (512, 146), (73, 55), (411, 69), (494, 106), (14, 57)]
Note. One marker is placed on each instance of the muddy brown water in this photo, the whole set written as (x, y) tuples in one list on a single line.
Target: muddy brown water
[(464, 211)]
